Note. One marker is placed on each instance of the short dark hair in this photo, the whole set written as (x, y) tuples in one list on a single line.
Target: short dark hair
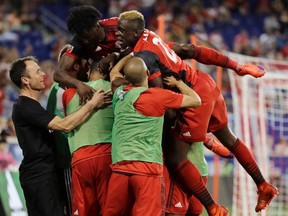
[(82, 19), (18, 69)]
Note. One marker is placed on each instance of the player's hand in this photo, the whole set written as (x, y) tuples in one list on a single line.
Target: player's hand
[(101, 99), (85, 92), (170, 81), (253, 70)]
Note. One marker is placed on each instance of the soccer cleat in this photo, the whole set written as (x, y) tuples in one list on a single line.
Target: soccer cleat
[(253, 70), (266, 192), (217, 210), (217, 148)]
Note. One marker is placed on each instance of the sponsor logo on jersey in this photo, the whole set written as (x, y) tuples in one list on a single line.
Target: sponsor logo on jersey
[(178, 205), (187, 134), (98, 49)]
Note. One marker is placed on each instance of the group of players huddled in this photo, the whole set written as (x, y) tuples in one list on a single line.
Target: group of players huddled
[(141, 152)]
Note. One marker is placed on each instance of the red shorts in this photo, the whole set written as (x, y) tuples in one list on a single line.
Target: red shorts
[(193, 123), (176, 201), (137, 195), (90, 179)]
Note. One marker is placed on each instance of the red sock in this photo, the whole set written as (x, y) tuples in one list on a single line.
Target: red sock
[(190, 181), (210, 56), (247, 160)]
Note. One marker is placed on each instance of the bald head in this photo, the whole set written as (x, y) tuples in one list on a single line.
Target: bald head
[(135, 71)]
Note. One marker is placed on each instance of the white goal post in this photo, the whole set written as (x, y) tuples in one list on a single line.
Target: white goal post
[(260, 109)]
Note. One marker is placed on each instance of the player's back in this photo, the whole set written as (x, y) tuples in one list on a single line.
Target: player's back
[(161, 59)]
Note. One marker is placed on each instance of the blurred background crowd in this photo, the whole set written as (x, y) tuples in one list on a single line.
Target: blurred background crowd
[(38, 27)]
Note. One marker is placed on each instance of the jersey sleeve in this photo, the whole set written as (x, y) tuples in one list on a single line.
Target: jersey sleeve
[(67, 95), (155, 101), (77, 50)]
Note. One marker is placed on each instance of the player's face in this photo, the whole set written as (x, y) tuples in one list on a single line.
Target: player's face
[(35, 77), (93, 37), (126, 34)]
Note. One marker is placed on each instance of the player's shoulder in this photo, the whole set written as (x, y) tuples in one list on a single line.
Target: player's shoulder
[(69, 91), (155, 90)]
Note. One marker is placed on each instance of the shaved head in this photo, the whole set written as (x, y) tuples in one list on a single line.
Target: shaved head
[(135, 71)]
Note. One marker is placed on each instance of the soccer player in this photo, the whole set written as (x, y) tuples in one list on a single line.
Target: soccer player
[(136, 142), (33, 125), (93, 39), (62, 151), (193, 124), (177, 202), (90, 145)]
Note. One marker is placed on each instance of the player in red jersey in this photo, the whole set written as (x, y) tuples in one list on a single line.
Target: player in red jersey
[(93, 39), (90, 146), (193, 124), (136, 147)]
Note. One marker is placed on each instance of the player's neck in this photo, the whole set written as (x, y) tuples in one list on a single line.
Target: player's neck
[(30, 93)]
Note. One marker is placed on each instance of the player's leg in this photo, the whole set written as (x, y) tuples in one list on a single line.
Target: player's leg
[(176, 201), (266, 191), (196, 155), (103, 175), (149, 195), (84, 197), (189, 178), (119, 198), (195, 206), (219, 126)]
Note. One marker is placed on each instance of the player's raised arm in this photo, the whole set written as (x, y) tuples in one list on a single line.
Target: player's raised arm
[(116, 77), (63, 75), (99, 100)]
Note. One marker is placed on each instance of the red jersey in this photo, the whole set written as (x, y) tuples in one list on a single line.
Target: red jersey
[(155, 101), (162, 60), (103, 49)]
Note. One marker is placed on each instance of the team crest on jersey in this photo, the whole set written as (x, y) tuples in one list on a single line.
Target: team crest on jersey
[(121, 94)]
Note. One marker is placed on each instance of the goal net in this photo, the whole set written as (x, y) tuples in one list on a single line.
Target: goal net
[(260, 108)]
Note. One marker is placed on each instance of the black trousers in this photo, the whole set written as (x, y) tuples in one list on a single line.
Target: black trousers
[(42, 198)]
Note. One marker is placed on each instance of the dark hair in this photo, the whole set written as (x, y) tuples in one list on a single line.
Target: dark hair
[(94, 68), (18, 69), (82, 19)]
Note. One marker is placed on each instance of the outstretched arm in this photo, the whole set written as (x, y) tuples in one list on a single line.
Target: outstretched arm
[(99, 100), (209, 56)]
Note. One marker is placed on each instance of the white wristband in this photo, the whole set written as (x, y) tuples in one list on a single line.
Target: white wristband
[(116, 54)]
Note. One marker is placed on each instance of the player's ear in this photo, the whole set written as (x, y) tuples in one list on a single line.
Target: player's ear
[(148, 72), (138, 32), (76, 66), (25, 80)]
